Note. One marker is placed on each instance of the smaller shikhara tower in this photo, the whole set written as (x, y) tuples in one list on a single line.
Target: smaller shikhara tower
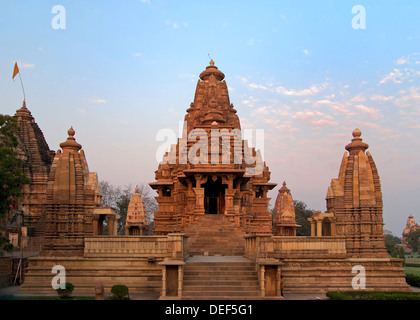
[(136, 222), (355, 198), (211, 171), (73, 193), (284, 218)]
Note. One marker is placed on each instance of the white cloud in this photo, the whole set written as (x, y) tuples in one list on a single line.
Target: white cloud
[(304, 92), (395, 76), (378, 97), (315, 118), (146, 1), (98, 100), (25, 65), (257, 86), (358, 98), (403, 60), (370, 111), (411, 99)]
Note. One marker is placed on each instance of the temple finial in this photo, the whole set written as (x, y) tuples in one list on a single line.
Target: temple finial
[(357, 143)]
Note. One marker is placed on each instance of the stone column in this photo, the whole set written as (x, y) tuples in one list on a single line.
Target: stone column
[(163, 293), (333, 231), (262, 280), (95, 224), (313, 227), (199, 201), (180, 280), (111, 225), (319, 228)]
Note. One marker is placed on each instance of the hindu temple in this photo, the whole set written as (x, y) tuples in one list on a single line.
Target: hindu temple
[(214, 235)]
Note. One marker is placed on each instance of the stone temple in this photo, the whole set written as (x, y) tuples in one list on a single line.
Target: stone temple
[(214, 237)]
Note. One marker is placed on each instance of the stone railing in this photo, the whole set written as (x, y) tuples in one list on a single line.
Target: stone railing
[(172, 246), (259, 247), (268, 247), (309, 247)]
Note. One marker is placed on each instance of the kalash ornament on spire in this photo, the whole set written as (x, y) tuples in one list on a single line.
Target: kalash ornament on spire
[(211, 171)]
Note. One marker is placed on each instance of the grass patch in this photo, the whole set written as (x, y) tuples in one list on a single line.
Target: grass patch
[(412, 270), (373, 295), (12, 297)]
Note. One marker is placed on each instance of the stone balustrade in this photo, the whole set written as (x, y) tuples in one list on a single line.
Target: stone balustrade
[(173, 246), (267, 247), (321, 247)]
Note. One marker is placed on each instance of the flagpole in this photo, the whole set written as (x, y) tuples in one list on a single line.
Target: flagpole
[(15, 72), (23, 89)]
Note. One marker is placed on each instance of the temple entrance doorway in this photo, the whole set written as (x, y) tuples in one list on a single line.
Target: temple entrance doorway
[(214, 196)]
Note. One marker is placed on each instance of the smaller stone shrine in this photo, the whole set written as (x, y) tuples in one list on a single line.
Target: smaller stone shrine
[(410, 226), (136, 223), (284, 219)]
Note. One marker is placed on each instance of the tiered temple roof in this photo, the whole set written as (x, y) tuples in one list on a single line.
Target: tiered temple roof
[(211, 169), (72, 195), (284, 219), (36, 159), (355, 198), (136, 222)]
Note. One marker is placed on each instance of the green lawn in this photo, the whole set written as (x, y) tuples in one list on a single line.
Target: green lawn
[(413, 270), (11, 297)]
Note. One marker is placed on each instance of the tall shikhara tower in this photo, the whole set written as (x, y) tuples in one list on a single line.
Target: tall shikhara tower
[(72, 195), (36, 159), (355, 198), (211, 170)]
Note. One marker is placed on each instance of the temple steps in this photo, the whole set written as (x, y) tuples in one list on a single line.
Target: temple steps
[(215, 235), (215, 278)]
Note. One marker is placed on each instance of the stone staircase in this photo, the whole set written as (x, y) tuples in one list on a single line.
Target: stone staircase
[(220, 278), (215, 235)]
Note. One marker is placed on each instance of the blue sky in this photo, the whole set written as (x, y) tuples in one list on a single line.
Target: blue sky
[(123, 70)]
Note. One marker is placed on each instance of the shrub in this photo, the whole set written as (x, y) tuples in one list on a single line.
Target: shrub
[(65, 293), (119, 292), (412, 280)]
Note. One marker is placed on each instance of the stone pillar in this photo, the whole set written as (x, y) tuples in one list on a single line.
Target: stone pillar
[(333, 230), (199, 201), (319, 228), (229, 194), (95, 225), (163, 293), (180, 279), (111, 225), (262, 280), (313, 227)]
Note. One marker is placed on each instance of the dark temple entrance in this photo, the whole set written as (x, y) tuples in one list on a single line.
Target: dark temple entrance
[(214, 196)]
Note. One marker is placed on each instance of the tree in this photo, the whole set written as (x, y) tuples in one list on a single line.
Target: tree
[(11, 175), (391, 243), (302, 213), (413, 240)]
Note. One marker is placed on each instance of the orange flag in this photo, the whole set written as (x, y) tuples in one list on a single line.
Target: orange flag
[(15, 71)]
